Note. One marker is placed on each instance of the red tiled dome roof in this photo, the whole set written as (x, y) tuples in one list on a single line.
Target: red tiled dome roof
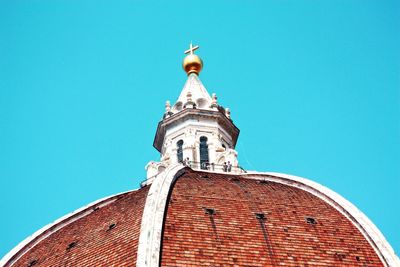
[(210, 220), (255, 223), (105, 234)]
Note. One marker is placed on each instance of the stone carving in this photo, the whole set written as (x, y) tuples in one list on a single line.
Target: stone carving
[(214, 101)]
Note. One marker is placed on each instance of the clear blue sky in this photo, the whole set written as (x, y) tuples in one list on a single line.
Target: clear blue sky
[(314, 87)]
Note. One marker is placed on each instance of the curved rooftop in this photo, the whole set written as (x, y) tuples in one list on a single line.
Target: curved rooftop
[(227, 220), (211, 219), (105, 233)]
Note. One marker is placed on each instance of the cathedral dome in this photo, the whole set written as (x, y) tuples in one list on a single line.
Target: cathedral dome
[(198, 207), (209, 219)]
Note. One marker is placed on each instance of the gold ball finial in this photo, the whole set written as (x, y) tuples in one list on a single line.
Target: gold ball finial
[(192, 63)]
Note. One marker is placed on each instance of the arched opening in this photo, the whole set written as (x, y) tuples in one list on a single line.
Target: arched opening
[(201, 103), (178, 106), (204, 160), (221, 160), (179, 153)]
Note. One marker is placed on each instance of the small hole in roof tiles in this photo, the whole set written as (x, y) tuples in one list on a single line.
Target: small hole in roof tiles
[(260, 216), (235, 179), (209, 211), (311, 220), (32, 263), (71, 245), (111, 226), (358, 258), (340, 256)]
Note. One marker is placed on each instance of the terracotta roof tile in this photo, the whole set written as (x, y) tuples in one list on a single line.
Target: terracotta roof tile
[(222, 220), (234, 236), (108, 236)]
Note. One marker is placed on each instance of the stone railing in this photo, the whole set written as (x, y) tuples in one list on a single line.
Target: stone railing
[(204, 166)]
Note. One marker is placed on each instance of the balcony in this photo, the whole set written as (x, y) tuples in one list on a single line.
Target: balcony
[(204, 166)]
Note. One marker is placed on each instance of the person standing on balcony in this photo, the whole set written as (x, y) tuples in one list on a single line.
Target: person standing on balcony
[(229, 166)]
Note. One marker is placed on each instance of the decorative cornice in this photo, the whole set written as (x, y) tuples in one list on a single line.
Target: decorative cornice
[(191, 113)]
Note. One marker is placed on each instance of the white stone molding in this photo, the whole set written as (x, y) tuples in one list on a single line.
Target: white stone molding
[(351, 212), (214, 101), (154, 168), (51, 228), (153, 217), (190, 131)]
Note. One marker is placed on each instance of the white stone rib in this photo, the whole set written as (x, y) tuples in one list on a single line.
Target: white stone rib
[(58, 224), (153, 217)]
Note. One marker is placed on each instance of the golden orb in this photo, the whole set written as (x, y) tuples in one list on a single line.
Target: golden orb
[(192, 64)]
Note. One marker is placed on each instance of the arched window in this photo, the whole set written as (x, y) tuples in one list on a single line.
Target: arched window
[(203, 153), (179, 153)]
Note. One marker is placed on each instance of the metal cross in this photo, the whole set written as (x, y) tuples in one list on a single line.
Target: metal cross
[(191, 49)]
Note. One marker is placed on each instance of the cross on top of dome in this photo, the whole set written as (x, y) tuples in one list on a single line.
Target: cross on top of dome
[(192, 63), (192, 49)]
